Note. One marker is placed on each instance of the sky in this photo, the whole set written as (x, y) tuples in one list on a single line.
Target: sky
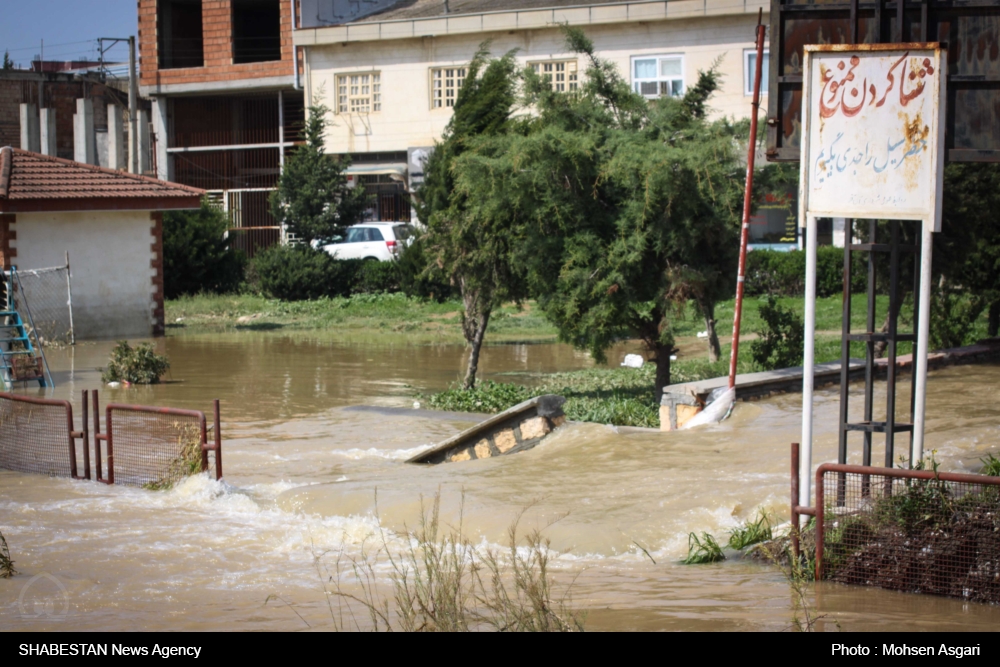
[(70, 28)]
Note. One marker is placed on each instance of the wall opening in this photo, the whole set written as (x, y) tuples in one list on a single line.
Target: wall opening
[(180, 34), (256, 31)]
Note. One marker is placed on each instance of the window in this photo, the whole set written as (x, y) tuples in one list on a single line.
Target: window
[(256, 31), (363, 235), (561, 76), (445, 84), (180, 34), (658, 76), (749, 63), (359, 93)]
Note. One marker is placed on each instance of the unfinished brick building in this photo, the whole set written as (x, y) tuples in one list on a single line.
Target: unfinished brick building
[(226, 103)]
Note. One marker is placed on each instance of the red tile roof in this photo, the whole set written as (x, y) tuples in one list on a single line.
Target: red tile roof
[(31, 181)]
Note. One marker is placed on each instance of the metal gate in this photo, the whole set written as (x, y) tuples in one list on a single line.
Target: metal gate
[(37, 436), (143, 446)]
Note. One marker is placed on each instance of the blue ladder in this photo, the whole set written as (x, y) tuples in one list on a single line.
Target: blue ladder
[(17, 350)]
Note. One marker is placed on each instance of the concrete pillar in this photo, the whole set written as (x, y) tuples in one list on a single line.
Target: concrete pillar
[(164, 162), (84, 140), (145, 166), (48, 132), (29, 128), (116, 138), (839, 232)]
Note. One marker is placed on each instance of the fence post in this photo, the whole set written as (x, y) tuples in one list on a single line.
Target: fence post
[(110, 440), (218, 440), (97, 436), (795, 499), (69, 303), (820, 521), (86, 437)]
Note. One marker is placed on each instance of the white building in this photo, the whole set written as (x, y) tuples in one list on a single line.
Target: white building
[(110, 223), (391, 77)]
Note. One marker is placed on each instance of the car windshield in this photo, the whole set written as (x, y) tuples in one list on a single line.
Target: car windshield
[(402, 232), (363, 234)]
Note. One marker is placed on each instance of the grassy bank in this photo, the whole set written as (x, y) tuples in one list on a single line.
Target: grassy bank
[(380, 313)]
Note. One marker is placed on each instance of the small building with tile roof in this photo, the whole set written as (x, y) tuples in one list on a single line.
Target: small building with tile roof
[(110, 223)]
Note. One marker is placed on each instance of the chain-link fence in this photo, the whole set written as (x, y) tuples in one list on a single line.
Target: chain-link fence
[(36, 436), (44, 298), (155, 447), (909, 530)]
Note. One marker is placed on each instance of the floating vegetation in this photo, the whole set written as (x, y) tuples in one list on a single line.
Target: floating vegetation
[(135, 365)]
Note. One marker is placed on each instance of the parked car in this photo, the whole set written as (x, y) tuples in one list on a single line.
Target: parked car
[(371, 240)]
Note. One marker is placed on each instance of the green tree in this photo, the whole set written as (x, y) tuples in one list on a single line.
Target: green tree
[(8, 64), (473, 246), (620, 209), (312, 198), (196, 256)]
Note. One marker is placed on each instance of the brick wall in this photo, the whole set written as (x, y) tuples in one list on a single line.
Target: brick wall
[(7, 253), (156, 264), (217, 40)]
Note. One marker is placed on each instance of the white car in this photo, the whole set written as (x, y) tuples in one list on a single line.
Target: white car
[(372, 240)]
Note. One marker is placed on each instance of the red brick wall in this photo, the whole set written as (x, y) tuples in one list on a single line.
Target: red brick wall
[(217, 34), (7, 254), (156, 263)]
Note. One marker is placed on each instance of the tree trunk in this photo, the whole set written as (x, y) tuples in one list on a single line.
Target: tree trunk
[(880, 345), (714, 349), (474, 322), (994, 320), (662, 369)]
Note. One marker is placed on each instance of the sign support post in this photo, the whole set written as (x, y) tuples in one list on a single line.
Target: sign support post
[(872, 148)]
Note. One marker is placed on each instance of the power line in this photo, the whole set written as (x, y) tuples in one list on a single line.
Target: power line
[(29, 48)]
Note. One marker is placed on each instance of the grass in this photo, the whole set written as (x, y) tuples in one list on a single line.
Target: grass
[(7, 569), (383, 313), (704, 550), (442, 583), (752, 531), (188, 461), (991, 466)]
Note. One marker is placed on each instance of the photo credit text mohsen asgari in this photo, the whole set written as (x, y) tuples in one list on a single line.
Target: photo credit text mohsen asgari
[(904, 649), (154, 651)]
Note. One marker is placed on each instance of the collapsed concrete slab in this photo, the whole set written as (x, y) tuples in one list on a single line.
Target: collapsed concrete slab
[(514, 430)]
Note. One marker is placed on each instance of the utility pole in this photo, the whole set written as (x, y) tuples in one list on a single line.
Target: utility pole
[(133, 109)]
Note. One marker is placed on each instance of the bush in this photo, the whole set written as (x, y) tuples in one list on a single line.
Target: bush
[(376, 278), (781, 339), (784, 273), (299, 273), (138, 365), (196, 256)]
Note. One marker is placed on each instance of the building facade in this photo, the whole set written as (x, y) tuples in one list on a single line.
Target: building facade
[(226, 104), (390, 78)]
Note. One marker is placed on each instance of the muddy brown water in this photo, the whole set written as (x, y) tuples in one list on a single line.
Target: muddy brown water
[(316, 429)]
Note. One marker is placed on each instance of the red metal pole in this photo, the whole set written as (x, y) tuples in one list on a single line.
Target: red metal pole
[(218, 441), (747, 202), (795, 499)]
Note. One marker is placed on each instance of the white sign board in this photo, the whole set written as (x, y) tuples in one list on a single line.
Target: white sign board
[(873, 131)]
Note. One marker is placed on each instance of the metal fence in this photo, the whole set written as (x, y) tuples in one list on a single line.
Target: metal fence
[(143, 446), (37, 436), (47, 295), (919, 531)]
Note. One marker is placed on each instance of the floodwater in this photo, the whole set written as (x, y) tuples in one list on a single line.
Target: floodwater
[(316, 432)]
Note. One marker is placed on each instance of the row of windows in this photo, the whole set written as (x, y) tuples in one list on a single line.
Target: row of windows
[(652, 76)]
